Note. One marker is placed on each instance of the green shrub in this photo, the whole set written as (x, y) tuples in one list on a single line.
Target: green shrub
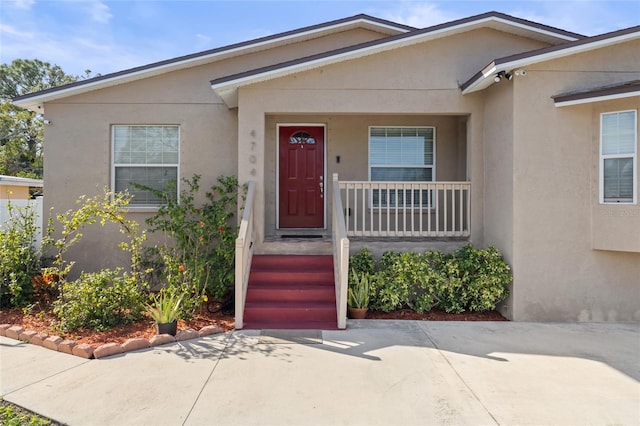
[(478, 279), (99, 301), (203, 237), (430, 289), (362, 262), (469, 279), (396, 279), (19, 259)]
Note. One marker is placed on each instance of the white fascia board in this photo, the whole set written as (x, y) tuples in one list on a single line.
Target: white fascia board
[(592, 99), (534, 29), (485, 81)]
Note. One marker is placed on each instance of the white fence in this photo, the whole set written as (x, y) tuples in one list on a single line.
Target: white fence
[(18, 205)]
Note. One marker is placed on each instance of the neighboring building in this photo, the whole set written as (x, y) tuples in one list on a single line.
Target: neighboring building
[(17, 192), (501, 131)]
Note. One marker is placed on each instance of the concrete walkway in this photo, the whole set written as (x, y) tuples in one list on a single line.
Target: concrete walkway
[(374, 373)]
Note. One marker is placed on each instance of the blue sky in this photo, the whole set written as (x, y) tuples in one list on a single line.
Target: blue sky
[(108, 36)]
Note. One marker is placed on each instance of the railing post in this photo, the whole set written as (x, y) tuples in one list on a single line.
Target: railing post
[(243, 254), (340, 254)]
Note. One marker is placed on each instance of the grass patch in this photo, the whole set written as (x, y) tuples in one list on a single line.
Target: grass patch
[(12, 415)]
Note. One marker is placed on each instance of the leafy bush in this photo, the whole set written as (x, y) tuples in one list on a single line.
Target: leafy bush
[(478, 279), (108, 207), (178, 286), (469, 279), (204, 236), (362, 262), (99, 301), (19, 259)]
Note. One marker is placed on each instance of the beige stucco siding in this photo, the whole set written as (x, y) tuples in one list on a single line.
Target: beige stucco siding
[(559, 275), (498, 176)]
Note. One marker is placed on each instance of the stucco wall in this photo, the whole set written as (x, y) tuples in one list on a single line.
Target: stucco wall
[(498, 177), (559, 276)]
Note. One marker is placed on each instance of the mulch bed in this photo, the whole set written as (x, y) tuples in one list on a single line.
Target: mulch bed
[(436, 315), (44, 321)]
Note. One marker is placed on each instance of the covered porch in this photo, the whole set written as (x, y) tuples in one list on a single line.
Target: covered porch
[(345, 159)]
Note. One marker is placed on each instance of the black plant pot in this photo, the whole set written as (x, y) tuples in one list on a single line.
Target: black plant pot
[(168, 328)]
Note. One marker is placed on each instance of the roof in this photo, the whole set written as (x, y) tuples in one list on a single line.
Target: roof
[(596, 94), (484, 78), (20, 181), (226, 87), (399, 35), (36, 100)]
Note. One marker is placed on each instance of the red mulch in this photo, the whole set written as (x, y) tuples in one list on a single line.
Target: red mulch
[(45, 322), (436, 315)]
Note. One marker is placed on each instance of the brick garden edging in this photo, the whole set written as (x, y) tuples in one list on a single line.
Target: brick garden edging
[(85, 350)]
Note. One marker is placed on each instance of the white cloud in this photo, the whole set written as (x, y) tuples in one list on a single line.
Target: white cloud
[(11, 31), (203, 39), (419, 14), (23, 4), (99, 12)]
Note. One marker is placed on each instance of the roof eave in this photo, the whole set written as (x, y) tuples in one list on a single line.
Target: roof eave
[(35, 101), (226, 84), (20, 181), (484, 79)]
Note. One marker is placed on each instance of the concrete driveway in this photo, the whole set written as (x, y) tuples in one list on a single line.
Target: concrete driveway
[(374, 373)]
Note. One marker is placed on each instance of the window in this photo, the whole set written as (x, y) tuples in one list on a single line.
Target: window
[(401, 154), (145, 155), (618, 142)]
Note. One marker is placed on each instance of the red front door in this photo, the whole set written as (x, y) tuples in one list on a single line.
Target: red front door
[(301, 176)]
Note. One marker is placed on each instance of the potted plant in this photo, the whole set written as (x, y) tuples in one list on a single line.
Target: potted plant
[(165, 310), (358, 295)]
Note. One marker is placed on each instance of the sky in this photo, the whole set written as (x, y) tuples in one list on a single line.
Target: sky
[(108, 36)]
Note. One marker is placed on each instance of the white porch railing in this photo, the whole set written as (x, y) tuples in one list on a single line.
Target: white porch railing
[(244, 254), (406, 209), (340, 254)]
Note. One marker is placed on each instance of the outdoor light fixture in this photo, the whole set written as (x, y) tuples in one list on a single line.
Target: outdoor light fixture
[(501, 75)]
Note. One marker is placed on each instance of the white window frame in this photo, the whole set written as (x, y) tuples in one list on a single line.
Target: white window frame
[(633, 156), (432, 167), (114, 165)]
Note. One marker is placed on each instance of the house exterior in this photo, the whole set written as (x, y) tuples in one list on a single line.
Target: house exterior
[(489, 129)]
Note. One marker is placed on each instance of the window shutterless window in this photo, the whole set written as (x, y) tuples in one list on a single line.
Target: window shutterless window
[(618, 157), (145, 155), (401, 154)]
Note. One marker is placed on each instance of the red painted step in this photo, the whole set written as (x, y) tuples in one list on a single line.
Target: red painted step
[(291, 292)]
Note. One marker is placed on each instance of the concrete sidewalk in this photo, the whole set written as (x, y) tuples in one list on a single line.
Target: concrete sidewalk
[(374, 373)]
